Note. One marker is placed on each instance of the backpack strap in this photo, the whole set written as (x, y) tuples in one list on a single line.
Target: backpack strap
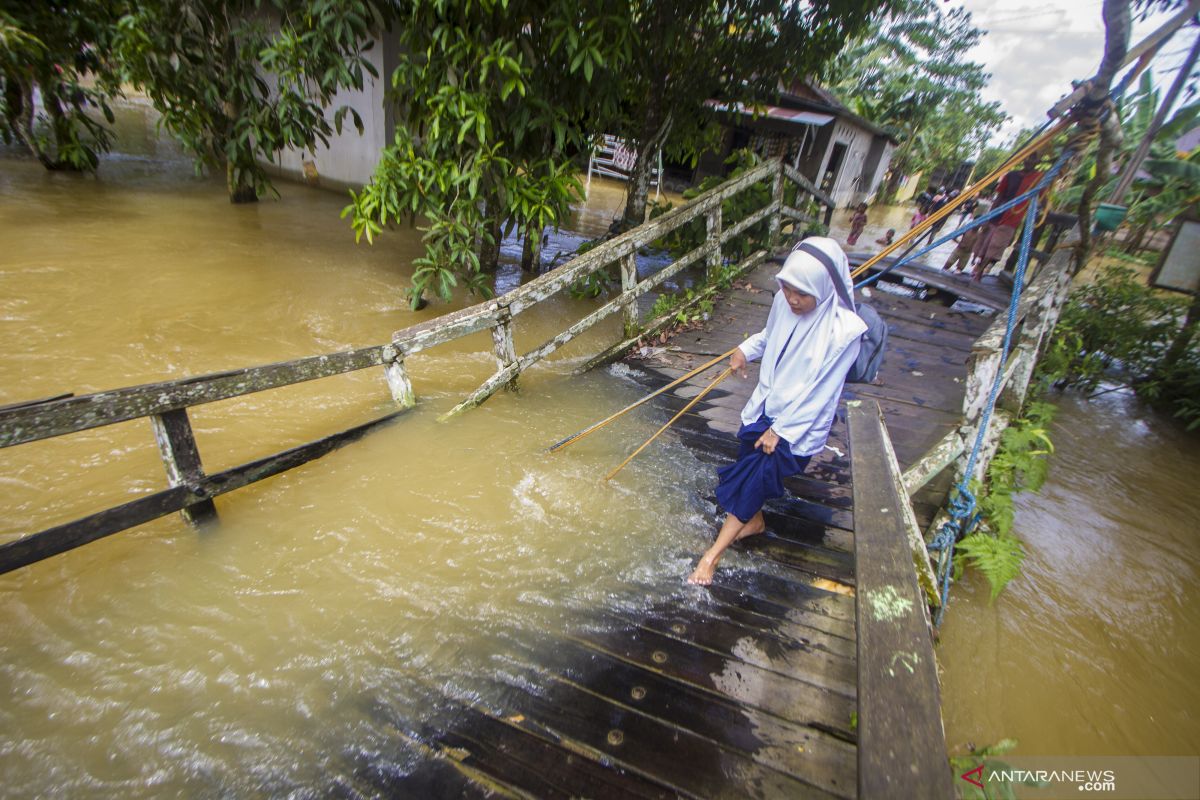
[(834, 274)]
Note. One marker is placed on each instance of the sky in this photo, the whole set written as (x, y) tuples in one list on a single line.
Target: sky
[(1035, 49)]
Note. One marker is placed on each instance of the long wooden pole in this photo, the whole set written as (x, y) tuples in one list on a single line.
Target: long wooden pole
[(728, 371), (575, 437)]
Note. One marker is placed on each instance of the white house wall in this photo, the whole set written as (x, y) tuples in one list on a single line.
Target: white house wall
[(350, 159)]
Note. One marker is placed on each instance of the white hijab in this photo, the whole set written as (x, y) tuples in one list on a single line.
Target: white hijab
[(799, 389)]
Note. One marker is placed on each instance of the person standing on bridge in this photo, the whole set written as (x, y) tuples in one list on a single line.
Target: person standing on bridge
[(810, 341)]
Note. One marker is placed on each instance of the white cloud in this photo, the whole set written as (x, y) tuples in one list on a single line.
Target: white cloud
[(1034, 51)]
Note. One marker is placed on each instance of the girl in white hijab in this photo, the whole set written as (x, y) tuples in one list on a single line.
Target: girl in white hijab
[(808, 345)]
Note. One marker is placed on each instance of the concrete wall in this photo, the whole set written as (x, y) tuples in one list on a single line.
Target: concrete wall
[(350, 159)]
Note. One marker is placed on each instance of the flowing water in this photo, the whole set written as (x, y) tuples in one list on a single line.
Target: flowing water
[(1093, 649), (338, 603), (335, 606)]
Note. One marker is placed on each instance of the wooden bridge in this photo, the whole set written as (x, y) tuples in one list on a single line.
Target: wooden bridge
[(809, 672)]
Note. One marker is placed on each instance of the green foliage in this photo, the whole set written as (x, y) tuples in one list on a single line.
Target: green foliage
[(733, 209), (1115, 328), (592, 286), (690, 51), (59, 49), (998, 557), (1019, 465), (986, 757), (497, 99), (239, 80), (911, 74), (1165, 186)]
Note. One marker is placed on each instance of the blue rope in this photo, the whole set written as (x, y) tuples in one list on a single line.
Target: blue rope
[(962, 507)]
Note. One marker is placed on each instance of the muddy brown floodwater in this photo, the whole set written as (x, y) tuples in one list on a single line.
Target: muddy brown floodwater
[(282, 650)]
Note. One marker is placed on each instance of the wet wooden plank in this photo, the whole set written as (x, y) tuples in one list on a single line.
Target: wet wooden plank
[(748, 646), (813, 756), (688, 622), (612, 733), (902, 746), (753, 686), (789, 592), (512, 755)]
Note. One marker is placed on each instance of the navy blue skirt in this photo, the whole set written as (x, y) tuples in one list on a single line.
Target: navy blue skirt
[(756, 477)]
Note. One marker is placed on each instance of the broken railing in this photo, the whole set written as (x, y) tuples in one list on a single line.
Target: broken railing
[(191, 490)]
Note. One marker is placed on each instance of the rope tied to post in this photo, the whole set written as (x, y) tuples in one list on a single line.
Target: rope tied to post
[(962, 507)]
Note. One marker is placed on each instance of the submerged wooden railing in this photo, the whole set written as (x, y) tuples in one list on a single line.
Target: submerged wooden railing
[(166, 403)]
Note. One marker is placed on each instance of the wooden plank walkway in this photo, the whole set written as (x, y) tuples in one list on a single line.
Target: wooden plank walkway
[(755, 693)]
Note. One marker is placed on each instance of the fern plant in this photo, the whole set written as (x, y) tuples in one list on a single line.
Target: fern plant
[(998, 557)]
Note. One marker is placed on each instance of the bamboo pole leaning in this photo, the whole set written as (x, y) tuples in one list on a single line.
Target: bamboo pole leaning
[(575, 437), (728, 371)]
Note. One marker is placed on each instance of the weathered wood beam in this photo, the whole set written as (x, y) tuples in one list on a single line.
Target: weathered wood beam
[(916, 542), (804, 183), (52, 541), (181, 458), (940, 456), (712, 227), (72, 414), (901, 740), (399, 384), (776, 201), (654, 326), (489, 388), (503, 347), (629, 280), (446, 328)]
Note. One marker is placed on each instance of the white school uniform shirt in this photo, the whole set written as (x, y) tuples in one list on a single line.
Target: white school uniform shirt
[(799, 392)]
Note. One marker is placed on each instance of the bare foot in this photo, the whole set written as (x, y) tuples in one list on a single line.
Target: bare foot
[(703, 574)]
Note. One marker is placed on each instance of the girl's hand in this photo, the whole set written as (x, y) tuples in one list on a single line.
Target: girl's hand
[(737, 362), (767, 441)]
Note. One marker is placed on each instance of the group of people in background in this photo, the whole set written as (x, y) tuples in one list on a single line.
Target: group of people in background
[(980, 248)]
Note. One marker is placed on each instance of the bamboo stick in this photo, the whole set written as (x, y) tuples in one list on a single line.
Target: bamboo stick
[(575, 437), (728, 371)]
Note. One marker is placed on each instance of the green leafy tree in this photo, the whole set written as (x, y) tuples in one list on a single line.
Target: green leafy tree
[(496, 101), (1166, 183), (911, 74), (57, 49), (687, 52), (238, 81)]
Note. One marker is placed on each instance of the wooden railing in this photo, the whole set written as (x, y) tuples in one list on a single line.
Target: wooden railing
[(1037, 313), (166, 403)]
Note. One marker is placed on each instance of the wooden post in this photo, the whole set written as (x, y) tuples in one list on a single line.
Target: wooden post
[(629, 279), (901, 740), (177, 446), (774, 225), (713, 241), (503, 347), (397, 377)]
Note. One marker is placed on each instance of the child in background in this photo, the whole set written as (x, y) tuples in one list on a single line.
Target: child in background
[(887, 237), (962, 253), (857, 223)]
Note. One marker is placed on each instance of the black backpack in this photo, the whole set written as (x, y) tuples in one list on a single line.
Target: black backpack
[(874, 341)]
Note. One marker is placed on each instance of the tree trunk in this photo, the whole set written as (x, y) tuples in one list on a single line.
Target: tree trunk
[(489, 251), (18, 95), (655, 127), (1183, 339), (236, 182), (531, 251)]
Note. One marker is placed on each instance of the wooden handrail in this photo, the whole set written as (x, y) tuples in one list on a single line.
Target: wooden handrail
[(165, 402)]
